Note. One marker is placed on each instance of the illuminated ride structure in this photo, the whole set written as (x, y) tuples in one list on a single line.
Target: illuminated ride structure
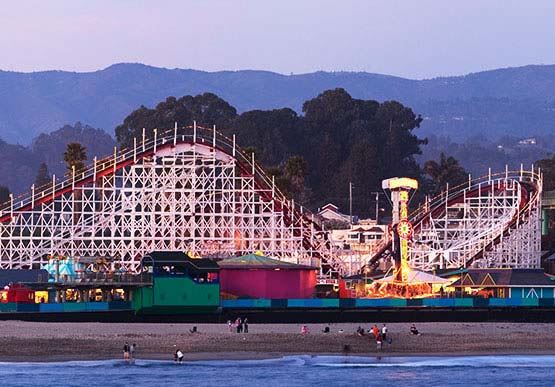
[(189, 189), (490, 222)]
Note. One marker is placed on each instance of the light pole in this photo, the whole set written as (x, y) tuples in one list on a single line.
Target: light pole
[(351, 202)]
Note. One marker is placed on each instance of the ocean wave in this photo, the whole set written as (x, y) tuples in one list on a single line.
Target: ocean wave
[(500, 361), (508, 361)]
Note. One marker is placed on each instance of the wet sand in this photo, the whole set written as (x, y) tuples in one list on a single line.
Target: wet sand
[(35, 341)]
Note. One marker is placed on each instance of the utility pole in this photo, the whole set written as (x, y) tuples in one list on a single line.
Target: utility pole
[(377, 208), (351, 202)]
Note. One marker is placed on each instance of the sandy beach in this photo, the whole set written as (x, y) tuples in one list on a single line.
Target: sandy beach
[(34, 341)]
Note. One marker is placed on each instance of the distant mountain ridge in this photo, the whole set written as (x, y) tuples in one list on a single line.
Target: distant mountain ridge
[(513, 101)]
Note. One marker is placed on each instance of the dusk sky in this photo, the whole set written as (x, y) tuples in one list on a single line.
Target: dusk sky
[(415, 39)]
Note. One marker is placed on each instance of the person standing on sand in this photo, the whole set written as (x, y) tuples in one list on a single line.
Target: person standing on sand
[(375, 331), (126, 350), (384, 333), (230, 325), (246, 325), (132, 351), (238, 325)]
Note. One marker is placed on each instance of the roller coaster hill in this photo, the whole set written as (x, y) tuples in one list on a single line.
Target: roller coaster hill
[(192, 189)]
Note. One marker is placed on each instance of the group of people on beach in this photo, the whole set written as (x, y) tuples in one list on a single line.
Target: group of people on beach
[(240, 326), (379, 335)]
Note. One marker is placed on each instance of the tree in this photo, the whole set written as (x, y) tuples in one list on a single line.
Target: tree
[(341, 138), (547, 167), (295, 171), (74, 157), (446, 171), (207, 109), (360, 141), (271, 132), (4, 194), (43, 177)]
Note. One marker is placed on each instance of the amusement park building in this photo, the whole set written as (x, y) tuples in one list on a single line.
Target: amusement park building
[(256, 276), (507, 283)]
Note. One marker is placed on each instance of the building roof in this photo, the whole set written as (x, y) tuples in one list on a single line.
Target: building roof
[(504, 278), (330, 206), (22, 275), (256, 261), (178, 258)]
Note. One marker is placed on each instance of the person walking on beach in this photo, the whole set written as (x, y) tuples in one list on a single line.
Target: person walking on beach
[(126, 350), (246, 325), (230, 325), (379, 341), (239, 325), (178, 357), (384, 333), (132, 351)]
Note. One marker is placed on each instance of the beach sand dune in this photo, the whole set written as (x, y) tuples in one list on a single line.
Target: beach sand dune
[(35, 341)]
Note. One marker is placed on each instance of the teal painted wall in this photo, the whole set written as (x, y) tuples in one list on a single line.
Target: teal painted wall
[(177, 292)]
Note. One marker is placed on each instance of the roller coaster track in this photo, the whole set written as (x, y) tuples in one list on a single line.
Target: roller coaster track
[(489, 222), (188, 188)]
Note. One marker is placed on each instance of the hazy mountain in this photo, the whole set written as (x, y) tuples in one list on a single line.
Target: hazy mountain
[(19, 164), (514, 101)]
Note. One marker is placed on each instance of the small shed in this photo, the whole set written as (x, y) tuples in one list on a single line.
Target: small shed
[(257, 276)]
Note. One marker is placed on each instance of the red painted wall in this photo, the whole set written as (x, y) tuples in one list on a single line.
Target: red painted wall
[(268, 283)]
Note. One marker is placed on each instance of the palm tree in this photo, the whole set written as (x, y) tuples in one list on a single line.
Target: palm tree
[(446, 171), (74, 156)]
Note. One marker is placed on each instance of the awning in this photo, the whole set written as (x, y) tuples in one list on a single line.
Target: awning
[(416, 276)]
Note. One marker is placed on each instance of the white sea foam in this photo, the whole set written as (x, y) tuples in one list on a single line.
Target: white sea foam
[(502, 361)]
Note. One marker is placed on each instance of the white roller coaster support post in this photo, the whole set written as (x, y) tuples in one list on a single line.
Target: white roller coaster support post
[(134, 149), (144, 139), (11, 205), (115, 158), (194, 132), (155, 140), (175, 134)]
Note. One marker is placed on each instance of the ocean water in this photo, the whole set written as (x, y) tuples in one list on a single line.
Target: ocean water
[(291, 371)]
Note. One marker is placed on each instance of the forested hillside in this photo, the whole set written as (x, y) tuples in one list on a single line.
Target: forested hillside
[(515, 101), (19, 164)]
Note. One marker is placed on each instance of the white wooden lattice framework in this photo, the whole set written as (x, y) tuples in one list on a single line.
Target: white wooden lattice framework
[(491, 222), (188, 189)]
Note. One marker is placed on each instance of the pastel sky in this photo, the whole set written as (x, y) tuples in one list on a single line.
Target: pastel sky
[(415, 39)]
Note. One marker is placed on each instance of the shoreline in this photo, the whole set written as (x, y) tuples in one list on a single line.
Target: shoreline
[(246, 356), (22, 341)]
